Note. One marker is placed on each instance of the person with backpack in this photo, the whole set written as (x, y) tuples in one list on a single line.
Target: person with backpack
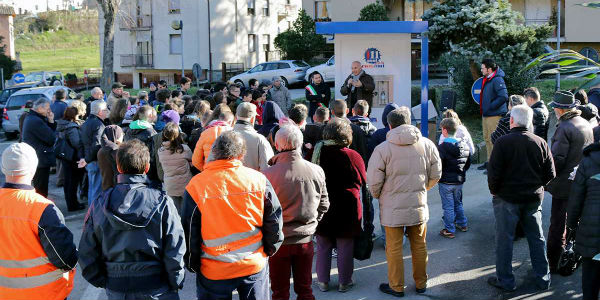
[(132, 244)]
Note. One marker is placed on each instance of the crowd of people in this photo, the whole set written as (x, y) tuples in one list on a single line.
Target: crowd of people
[(238, 184)]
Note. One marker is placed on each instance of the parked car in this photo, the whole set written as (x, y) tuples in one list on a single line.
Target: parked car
[(292, 71), (42, 78), (327, 71), (4, 94), (15, 106)]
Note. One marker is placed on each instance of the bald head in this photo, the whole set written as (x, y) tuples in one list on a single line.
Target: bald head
[(356, 67)]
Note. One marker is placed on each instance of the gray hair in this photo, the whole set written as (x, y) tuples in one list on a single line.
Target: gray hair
[(40, 102), (228, 145), (96, 90), (515, 100), (288, 137), (97, 106), (522, 115), (399, 116)]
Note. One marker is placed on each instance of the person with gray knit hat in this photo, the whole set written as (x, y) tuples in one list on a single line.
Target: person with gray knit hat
[(258, 149), (35, 226), (281, 95), (573, 133)]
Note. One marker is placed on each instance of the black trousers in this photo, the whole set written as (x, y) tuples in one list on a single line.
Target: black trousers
[(73, 177), (590, 278), (557, 231), (40, 181)]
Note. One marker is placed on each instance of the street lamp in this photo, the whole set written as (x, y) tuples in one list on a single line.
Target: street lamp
[(178, 25)]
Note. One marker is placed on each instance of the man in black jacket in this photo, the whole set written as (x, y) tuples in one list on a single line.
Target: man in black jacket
[(133, 243), (359, 85), (317, 93), (583, 215), (38, 132), (91, 136), (520, 165), (541, 120), (572, 135)]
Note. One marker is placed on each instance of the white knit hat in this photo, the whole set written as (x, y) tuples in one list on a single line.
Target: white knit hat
[(19, 159)]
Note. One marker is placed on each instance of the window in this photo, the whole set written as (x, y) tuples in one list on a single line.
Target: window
[(175, 44), (252, 43), (174, 6), (300, 63), (265, 11), (282, 66), (251, 8), (266, 42), (271, 67), (322, 11), (258, 68)]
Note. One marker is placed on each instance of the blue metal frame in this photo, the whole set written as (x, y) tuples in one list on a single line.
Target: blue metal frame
[(374, 27)]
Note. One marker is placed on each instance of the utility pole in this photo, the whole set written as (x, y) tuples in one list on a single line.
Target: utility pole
[(210, 65), (559, 4)]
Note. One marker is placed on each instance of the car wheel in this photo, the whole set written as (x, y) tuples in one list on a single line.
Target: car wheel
[(285, 82), (237, 81), (11, 135)]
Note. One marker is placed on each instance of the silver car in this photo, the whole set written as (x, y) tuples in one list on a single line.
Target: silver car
[(292, 71), (15, 106)]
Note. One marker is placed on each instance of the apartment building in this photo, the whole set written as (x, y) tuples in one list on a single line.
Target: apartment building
[(148, 49), (7, 31)]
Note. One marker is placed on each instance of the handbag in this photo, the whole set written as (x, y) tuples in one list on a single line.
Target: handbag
[(63, 149), (569, 260)]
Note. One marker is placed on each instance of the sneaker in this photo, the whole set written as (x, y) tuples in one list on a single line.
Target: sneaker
[(345, 287), (482, 167), (493, 281), (385, 287), (323, 286), (462, 228), (447, 234)]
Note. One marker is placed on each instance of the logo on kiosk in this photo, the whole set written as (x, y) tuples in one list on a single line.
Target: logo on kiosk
[(373, 59)]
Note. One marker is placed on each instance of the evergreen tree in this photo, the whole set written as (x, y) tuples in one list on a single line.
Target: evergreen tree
[(300, 41)]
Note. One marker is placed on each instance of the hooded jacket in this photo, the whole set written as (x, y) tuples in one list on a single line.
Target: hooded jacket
[(572, 135), (456, 160), (594, 96), (541, 120), (300, 187), (379, 135), (583, 212), (365, 124), (176, 168), (70, 131), (400, 172), (132, 239), (207, 139), (281, 96), (494, 96), (40, 135), (269, 118), (258, 149)]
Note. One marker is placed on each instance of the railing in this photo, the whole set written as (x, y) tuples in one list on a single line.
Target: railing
[(139, 22), (137, 60), (536, 21)]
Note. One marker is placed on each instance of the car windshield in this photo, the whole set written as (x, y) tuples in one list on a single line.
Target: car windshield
[(332, 61), (33, 77), (5, 94), (18, 102), (257, 68), (300, 63)]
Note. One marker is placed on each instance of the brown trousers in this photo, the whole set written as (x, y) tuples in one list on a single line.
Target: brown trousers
[(418, 249), (489, 124)]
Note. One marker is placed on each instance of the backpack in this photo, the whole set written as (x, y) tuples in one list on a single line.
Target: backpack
[(63, 149)]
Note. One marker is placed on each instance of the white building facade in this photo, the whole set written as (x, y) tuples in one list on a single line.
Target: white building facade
[(240, 32)]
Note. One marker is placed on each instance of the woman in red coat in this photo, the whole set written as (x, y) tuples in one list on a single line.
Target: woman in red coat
[(344, 175)]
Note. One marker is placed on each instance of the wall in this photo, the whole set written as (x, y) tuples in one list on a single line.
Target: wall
[(7, 32), (581, 23), (395, 54), (339, 10)]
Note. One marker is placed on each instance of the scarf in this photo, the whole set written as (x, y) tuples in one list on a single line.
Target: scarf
[(355, 78), (311, 90), (316, 157)]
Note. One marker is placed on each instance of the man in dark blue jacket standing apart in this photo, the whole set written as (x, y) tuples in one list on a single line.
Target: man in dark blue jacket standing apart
[(493, 102), (38, 132), (133, 243)]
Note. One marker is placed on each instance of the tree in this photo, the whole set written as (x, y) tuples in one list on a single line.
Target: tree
[(109, 10), (5, 62), (302, 36), (463, 32), (568, 62), (373, 12)]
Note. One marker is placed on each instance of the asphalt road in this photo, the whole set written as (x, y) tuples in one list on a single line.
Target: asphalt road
[(457, 268)]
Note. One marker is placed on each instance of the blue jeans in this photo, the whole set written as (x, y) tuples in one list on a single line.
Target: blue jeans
[(451, 195), (252, 287), (159, 294), (95, 181), (507, 216)]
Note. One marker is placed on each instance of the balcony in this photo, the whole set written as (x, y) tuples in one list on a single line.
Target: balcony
[(536, 21), (139, 22), (286, 10), (137, 60)]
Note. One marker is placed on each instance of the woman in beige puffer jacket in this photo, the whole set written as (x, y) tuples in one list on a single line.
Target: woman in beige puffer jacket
[(175, 158)]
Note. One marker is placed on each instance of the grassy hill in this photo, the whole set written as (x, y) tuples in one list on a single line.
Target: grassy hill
[(70, 44)]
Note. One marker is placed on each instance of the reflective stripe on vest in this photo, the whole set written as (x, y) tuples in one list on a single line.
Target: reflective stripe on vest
[(230, 238), (30, 263), (32, 281), (236, 255)]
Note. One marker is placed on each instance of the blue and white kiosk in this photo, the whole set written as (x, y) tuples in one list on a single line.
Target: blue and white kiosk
[(384, 49)]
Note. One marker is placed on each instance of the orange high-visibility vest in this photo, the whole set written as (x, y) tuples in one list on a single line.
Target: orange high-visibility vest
[(25, 271), (230, 198)]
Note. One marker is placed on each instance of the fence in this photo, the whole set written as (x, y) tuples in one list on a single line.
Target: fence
[(229, 70)]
